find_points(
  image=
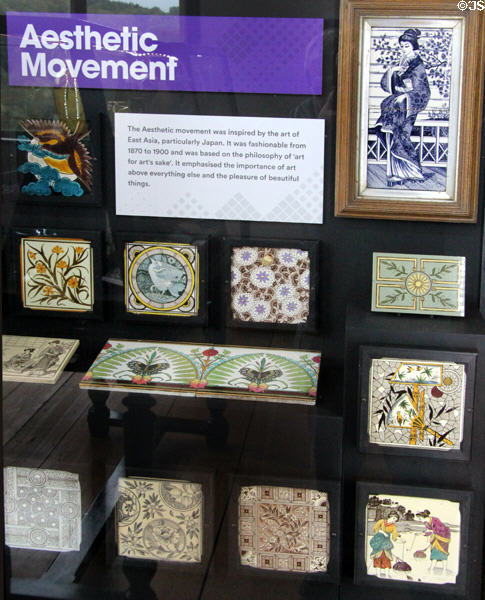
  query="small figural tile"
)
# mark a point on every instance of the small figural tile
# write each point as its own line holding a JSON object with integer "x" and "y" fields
{"x": 284, "y": 529}
{"x": 162, "y": 279}
{"x": 270, "y": 285}
{"x": 42, "y": 509}
{"x": 160, "y": 519}
{"x": 422, "y": 284}
{"x": 416, "y": 404}
{"x": 57, "y": 274}
{"x": 35, "y": 359}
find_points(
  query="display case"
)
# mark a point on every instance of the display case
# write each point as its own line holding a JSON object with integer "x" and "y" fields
{"x": 200, "y": 397}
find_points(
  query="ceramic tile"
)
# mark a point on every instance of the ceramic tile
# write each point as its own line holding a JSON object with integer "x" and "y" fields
{"x": 35, "y": 359}
{"x": 198, "y": 370}
{"x": 412, "y": 539}
{"x": 270, "y": 285}
{"x": 42, "y": 509}
{"x": 160, "y": 519}
{"x": 284, "y": 529}
{"x": 423, "y": 284}
{"x": 57, "y": 274}
{"x": 416, "y": 404}
{"x": 162, "y": 279}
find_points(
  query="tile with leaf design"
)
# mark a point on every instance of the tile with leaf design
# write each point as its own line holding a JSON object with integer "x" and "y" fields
{"x": 160, "y": 519}
{"x": 242, "y": 373}
{"x": 416, "y": 404}
{"x": 420, "y": 284}
{"x": 284, "y": 529}
{"x": 57, "y": 274}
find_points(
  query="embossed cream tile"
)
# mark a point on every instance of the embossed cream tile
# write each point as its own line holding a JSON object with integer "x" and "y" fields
{"x": 42, "y": 509}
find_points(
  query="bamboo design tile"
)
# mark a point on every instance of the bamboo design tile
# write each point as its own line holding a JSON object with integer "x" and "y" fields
{"x": 160, "y": 519}
{"x": 284, "y": 529}
{"x": 42, "y": 509}
{"x": 412, "y": 539}
{"x": 35, "y": 359}
{"x": 57, "y": 274}
{"x": 416, "y": 404}
{"x": 265, "y": 374}
{"x": 162, "y": 279}
{"x": 419, "y": 284}
{"x": 270, "y": 285}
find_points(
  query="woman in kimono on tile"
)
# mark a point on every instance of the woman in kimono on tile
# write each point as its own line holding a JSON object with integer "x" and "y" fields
{"x": 385, "y": 533}
{"x": 439, "y": 538}
{"x": 409, "y": 91}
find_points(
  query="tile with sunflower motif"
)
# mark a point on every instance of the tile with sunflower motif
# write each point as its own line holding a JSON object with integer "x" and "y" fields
{"x": 240, "y": 373}
{"x": 42, "y": 509}
{"x": 57, "y": 274}
{"x": 420, "y": 284}
{"x": 416, "y": 404}
{"x": 162, "y": 279}
{"x": 284, "y": 529}
{"x": 35, "y": 359}
{"x": 160, "y": 519}
{"x": 270, "y": 285}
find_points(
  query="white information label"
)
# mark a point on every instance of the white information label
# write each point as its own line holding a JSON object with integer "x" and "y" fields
{"x": 213, "y": 167}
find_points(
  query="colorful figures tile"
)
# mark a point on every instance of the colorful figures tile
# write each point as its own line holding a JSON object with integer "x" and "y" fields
{"x": 416, "y": 404}
{"x": 162, "y": 279}
{"x": 421, "y": 284}
{"x": 270, "y": 285}
{"x": 57, "y": 274}
{"x": 284, "y": 529}
{"x": 160, "y": 519}
{"x": 412, "y": 539}
{"x": 264, "y": 374}
{"x": 42, "y": 509}
{"x": 35, "y": 359}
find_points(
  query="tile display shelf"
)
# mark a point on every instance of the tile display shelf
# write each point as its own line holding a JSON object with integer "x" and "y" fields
{"x": 364, "y": 328}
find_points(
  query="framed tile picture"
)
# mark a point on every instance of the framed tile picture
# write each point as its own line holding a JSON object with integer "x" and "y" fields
{"x": 413, "y": 538}
{"x": 416, "y": 402}
{"x": 418, "y": 283}
{"x": 271, "y": 284}
{"x": 163, "y": 277}
{"x": 409, "y": 96}
{"x": 286, "y": 528}
{"x": 56, "y": 272}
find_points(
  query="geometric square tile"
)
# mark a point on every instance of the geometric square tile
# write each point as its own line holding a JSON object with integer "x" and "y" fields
{"x": 161, "y": 279}
{"x": 421, "y": 284}
{"x": 270, "y": 285}
{"x": 284, "y": 529}
{"x": 416, "y": 404}
{"x": 57, "y": 274}
{"x": 159, "y": 519}
{"x": 35, "y": 359}
{"x": 42, "y": 509}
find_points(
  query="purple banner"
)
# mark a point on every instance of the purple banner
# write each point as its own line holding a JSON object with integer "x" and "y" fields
{"x": 203, "y": 54}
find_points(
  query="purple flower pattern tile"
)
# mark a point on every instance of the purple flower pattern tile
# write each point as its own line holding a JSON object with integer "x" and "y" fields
{"x": 270, "y": 285}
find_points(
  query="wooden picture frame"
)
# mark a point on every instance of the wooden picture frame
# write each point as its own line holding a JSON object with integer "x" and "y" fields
{"x": 441, "y": 404}
{"x": 409, "y": 104}
{"x": 404, "y": 579}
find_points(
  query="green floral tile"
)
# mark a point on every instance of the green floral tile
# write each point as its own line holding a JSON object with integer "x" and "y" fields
{"x": 420, "y": 284}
